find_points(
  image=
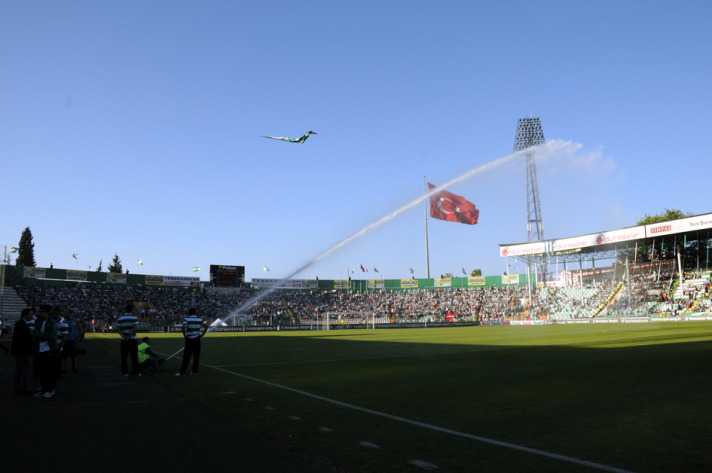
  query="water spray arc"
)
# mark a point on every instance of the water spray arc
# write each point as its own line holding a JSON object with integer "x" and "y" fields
{"x": 544, "y": 148}
{"x": 174, "y": 354}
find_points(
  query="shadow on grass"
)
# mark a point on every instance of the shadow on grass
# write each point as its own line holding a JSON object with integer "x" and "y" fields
{"x": 573, "y": 392}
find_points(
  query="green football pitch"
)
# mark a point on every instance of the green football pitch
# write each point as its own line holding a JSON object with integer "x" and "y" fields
{"x": 604, "y": 397}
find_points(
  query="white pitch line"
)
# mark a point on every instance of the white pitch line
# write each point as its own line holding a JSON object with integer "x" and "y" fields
{"x": 423, "y": 464}
{"x": 368, "y": 444}
{"x": 499, "y": 443}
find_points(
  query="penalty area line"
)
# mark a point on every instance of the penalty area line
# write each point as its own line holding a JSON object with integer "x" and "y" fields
{"x": 499, "y": 443}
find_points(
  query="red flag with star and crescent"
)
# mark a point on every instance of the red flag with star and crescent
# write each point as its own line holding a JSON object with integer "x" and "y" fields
{"x": 445, "y": 205}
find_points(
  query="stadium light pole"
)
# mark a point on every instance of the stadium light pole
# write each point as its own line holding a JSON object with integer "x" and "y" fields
{"x": 627, "y": 274}
{"x": 529, "y": 134}
{"x": 427, "y": 249}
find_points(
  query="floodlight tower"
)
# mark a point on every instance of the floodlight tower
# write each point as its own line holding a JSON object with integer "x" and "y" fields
{"x": 529, "y": 133}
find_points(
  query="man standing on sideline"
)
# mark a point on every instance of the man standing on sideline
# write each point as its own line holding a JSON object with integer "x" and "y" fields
{"x": 62, "y": 331}
{"x": 46, "y": 337}
{"x": 194, "y": 328}
{"x": 22, "y": 349}
{"x": 127, "y": 325}
{"x": 70, "y": 344}
{"x": 2, "y": 346}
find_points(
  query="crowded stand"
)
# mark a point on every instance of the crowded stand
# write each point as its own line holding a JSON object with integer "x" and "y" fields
{"x": 425, "y": 305}
{"x": 642, "y": 293}
{"x": 101, "y": 305}
{"x": 166, "y": 306}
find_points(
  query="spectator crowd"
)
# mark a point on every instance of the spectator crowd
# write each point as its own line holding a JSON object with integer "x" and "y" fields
{"x": 100, "y": 305}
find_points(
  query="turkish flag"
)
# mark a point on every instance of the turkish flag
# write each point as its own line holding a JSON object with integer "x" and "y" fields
{"x": 445, "y": 205}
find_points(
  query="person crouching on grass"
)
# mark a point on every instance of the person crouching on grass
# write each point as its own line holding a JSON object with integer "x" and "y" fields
{"x": 147, "y": 358}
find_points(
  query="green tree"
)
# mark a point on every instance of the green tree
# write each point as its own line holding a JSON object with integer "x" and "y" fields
{"x": 663, "y": 244}
{"x": 26, "y": 250}
{"x": 98, "y": 268}
{"x": 115, "y": 266}
{"x": 446, "y": 275}
{"x": 476, "y": 272}
{"x": 692, "y": 250}
{"x": 668, "y": 214}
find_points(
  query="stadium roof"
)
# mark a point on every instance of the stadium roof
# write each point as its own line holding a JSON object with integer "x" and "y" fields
{"x": 611, "y": 240}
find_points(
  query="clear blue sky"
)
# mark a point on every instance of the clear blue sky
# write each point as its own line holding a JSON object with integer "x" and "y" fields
{"x": 134, "y": 127}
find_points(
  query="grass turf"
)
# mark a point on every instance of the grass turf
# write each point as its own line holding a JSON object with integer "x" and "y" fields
{"x": 626, "y": 396}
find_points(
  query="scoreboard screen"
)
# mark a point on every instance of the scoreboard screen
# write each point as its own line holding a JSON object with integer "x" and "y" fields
{"x": 223, "y": 275}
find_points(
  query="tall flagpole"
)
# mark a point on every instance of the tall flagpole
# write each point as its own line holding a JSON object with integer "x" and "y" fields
{"x": 425, "y": 206}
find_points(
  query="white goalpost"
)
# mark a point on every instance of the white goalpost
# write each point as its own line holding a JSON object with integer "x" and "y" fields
{"x": 326, "y": 319}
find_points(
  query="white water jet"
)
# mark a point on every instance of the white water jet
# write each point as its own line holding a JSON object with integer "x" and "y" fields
{"x": 550, "y": 148}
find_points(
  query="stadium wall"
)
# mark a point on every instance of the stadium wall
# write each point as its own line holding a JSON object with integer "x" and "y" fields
{"x": 365, "y": 285}
{"x": 30, "y": 276}
{"x": 25, "y": 275}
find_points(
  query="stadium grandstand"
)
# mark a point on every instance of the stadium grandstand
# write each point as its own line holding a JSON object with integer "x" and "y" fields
{"x": 638, "y": 273}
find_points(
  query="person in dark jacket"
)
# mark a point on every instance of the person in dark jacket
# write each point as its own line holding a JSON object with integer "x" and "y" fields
{"x": 22, "y": 349}
{"x": 46, "y": 337}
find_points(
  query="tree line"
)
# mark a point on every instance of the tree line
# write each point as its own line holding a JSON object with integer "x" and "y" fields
{"x": 26, "y": 254}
